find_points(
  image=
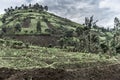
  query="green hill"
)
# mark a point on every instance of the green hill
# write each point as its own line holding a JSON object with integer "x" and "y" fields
{"x": 54, "y": 31}
{"x": 28, "y": 21}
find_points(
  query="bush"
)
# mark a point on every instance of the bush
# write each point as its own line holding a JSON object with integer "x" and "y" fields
{"x": 48, "y": 30}
{"x": 2, "y": 41}
{"x": 26, "y": 45}
{"x": 50, "y": 46}
{"x": 7, "y": 43}
{"x": 26, "y": 31}
{"x": 31, "y": 32}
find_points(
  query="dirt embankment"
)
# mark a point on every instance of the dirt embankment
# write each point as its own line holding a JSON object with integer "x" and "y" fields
{"x": 40, "y": 40}
{"x": 111, "y": 72}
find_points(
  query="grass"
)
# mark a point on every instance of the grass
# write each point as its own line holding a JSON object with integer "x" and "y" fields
{"x": 56, "y": 21}
{"x": 41, "y": 57}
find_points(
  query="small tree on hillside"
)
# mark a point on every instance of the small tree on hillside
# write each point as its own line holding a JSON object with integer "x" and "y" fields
{"x": 18, "y": 27}
{"x": 46, "y": 8}
{"x": 3, "y": 20}
{"x": 69, "y": 33}
{"x": 16, "y": 7}
{"x": 30, "y": 5}
{"x": 79, "y": 31}
{"x": 89, "y": 23}
{"x": 116, "y": 32}
{"x": 38, "y": 27}
{"x": 41, "y": 8}
{"x": 4, "y": 30}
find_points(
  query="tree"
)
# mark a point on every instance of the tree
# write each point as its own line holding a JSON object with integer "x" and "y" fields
{"x": 89, "y": 23}
{"x": 116, "y": 28}
{"x": 25, "y": 7}
{"x": 79, "y": 31}
{"x": 41, "y": 8}
{"x": 69, "y": 33}
{"x": 3, "y": 20}
{"x": 22, "y": 6}
{"x": 11, "y": 8}
{"x": 16, "y": 7}
{"x": 18, "y": 27}
{"x": 36, "y": 6}
{"x": 104, "y": 47}
{"x": 30, "y": 5}
{"x": 5, "y": 10}
{"x": 4, "y": 29}
{"x": 38, "y": 27}
{"x": 61, "y": 42}
{"x": 46, "y": 8}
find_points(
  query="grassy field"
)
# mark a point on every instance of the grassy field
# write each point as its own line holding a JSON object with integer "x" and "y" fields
{"x": 40, "y": 57}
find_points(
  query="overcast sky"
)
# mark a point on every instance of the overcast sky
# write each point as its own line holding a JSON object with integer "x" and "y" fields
{"x": 76, "y": 10}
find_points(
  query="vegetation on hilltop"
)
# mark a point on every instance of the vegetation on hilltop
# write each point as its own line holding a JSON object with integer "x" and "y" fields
{"x": 28, "y": 16}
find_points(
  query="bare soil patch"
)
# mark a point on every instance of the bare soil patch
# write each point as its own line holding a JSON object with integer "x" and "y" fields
{"x": 111, "y": 72}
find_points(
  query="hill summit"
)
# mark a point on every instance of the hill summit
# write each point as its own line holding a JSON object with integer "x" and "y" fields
{"x": 34, "y": 19}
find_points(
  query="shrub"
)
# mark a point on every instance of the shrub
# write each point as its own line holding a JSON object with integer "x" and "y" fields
{"x": 50, "y": 46}
{"x": 27, "y": 45}
{"x": 26, "y": 31}
{"x": 2, "y": 41}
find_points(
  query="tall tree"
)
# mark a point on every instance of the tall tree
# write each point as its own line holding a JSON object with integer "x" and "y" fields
{"x": 89, "y": 23}
{"x": 116, "y": 33}
{"x": 46, "y": 8}
{"x": 38, "y": 27}
{"x": 30, "y": 5}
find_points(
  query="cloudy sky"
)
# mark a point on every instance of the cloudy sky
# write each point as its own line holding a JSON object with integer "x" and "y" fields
{"x": 76, "y": 10}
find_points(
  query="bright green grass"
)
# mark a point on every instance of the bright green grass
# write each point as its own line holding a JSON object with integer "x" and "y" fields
{"x": 50, "y": 57}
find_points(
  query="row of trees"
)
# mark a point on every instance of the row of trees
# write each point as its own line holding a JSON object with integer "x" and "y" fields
{"x": 88, "y": 38}
{"x": 36, "y": 6}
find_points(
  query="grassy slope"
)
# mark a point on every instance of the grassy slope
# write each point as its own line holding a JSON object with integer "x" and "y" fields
{"x": 56, "y": 21}
{"x": 51, "y": 57}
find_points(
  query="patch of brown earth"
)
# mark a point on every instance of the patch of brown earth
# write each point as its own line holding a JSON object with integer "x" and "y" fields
{"x": 111, "y": 72}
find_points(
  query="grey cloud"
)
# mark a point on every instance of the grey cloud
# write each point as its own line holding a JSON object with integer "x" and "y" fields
{"x": 28, "y": 1}
{"x": 76, "y": 10}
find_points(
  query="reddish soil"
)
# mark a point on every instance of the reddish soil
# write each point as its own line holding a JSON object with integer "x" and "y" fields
{"x": 111, "y": 72}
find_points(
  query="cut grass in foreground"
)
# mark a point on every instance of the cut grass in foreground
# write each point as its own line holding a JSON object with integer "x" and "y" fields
{"x": 38, "y": 57}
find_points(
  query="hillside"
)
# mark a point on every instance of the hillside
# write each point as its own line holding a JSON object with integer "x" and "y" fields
{"x": 35, "y": 25}
{"x": 40, "y": 63}
{"x": 38, "y": 45}
{"x": 28, "y": 21}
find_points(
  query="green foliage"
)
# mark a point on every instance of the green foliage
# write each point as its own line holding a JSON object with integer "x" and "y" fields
{"x": 104, "y": 47}
{"x": 79, "y": 31}
{"x": 13, "y": 44}
{"x": 89, "y": 36}
{"x": 69, "y": 33}
{"x": 46, "y": 8}
{"x": 40, "y": 57}
{"x": 18, "y": 27}
{"x": 38, "y": 27}
{"x": 24, "y": 13}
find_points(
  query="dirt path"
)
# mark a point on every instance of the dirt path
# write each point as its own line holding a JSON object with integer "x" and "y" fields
{"x": 111, "y": 72}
